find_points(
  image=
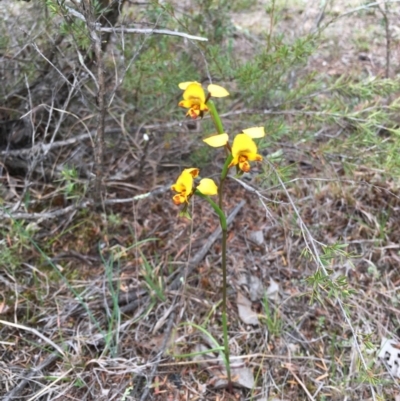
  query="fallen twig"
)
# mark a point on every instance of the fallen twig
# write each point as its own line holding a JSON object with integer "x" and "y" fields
{"x": 156, "y": 31}
{"x": 72, "y": 208}
{"x": 303, "y": 386}
{"x": 36, "y": 333}
{"x": 12, "y": 395}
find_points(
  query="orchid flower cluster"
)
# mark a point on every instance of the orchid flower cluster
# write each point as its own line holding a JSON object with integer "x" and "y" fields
{"x": 242, "y": 151}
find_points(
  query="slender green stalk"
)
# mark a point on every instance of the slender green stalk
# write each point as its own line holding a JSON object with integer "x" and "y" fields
{"x": 220, "y": 129}
{"x": 222, "y": 220}
{"x": 224, "y": 173}
{"x": 215, "y": 117}
{"x": 218, "y": 209}
{"x": 224, "y": 306}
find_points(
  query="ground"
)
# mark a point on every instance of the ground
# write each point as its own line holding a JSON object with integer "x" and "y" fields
{"x": 123, "y": 302}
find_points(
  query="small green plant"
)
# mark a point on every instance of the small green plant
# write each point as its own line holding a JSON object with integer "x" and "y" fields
{"x": 272, "y": 318}
{"x": 238, "y": 155}
{"x": 71, "y": 186}
{"x": 153, "y": 279}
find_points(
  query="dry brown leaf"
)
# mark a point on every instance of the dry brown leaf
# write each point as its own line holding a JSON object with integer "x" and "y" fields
{"x": 242, "y": 376}
{"x": 253, "y": 284}
{"x": 257, "y": 237}
{"x": 273, "y": 289}
{"x": 4, "y": 308}
{"x": 246, "y": 314}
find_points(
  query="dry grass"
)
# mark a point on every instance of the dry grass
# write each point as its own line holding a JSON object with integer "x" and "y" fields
{"x": 100, "y": 305}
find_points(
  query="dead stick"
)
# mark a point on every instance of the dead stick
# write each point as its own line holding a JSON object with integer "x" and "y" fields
{"x": 95, "y": 37}
{"x": 13, "y": 394}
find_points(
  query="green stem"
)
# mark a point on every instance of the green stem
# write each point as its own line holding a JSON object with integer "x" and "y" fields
{"x": 218, "y": 209}
{"x": 220, "y": 129}
{"x": 224, "y": 173}
{"x": 222, "y": 220}
{"x": 224, "y": 306}
{"x": 215, "y": 117}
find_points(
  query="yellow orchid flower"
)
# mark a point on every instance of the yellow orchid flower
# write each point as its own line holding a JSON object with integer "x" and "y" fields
{"x": 207, "y": 187}
{"x": 195, "y": 99}
{"x": 243, "y": 148}
{"x": 184, "y": 185}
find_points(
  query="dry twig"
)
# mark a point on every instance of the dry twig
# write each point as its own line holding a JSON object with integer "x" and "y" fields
{"x": 13, "y": 394}
{"x": 155, "y": 31}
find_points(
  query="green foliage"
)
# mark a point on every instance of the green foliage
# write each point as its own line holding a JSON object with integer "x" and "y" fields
{"x": 77, "y": 30}
{"x": 243, "y": 5}
{"x": 71, "y": 186}
{"x": 272, "y": 318}
{"x": 13, "y": 244}
{"x": 153, "y": 280}
{"x": 324, "y": 283}
{"x": 263, "y": 80}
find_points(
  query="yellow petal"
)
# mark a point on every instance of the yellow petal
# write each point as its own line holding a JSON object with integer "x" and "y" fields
{"x": 184, "y": 85}
{"x": 255, "y": 132}
{"x": 217, "y": 140}
{"x": 195, "y": 94}
{"x": 243, "y": 144}
{"x": 194, "y": 172}
{"x": 177, "y": 187}
{"x": 184, "y": 183}
{"x": 208, "y": 187}
{"x": 234, "y": 161}
{"x": 254, "y": 157}
{"x": 217, "y": 91}
{"x": 187, "y": 104}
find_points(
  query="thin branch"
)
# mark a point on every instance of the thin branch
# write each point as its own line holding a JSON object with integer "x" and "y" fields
{"x": 12, "y": 395}
{"x": 36, "y": 333}
{"x": 100, "y": 100}
{"x": 303, "y": 386}
{"x": 384, "y": 13}
{"x": 83, "y": 205}
{"x": 156, "y": 31}
{"x": 355, "y": 10}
